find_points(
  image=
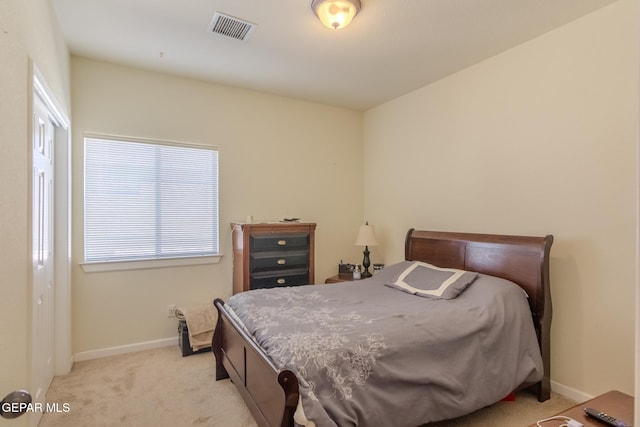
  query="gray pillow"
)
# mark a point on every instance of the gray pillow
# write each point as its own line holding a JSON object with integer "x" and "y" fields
{"x": 427, "y": 280}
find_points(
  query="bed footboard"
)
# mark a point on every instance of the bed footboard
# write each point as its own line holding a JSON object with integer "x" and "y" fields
{"x": 270, "y": 394}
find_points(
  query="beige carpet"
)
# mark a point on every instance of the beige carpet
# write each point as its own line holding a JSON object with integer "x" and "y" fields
{"x": 161, "y": 388}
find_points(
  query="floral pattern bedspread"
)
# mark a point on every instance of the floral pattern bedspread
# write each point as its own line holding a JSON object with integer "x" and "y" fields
{"x": 369, "y": 355}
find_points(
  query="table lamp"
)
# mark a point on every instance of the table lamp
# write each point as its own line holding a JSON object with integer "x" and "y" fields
{"x": 366, "y": 237}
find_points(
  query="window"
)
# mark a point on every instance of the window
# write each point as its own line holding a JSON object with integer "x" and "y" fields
{"x": 149, "y": 200}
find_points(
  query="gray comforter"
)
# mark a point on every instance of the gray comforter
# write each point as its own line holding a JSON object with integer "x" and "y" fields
{"x": 366, "y": 354}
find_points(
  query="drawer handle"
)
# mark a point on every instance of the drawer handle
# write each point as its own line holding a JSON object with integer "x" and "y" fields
{"x": 281, "y": 281}
{"x": 282, "y": 242}
{"x": 282, "y": 261}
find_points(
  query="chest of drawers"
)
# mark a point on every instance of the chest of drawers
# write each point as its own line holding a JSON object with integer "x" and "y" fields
{"x": 268, "y": 255}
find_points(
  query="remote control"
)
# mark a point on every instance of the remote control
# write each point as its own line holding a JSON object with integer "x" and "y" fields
{"x": 606, "y": 419}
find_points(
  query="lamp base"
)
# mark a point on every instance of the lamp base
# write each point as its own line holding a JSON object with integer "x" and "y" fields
{"x": 366, "y": 262}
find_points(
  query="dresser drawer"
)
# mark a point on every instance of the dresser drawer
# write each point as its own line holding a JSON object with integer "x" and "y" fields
{"x": 279, "y": 260}
{"x": 274, "y": 279}
{"x": 270, "y": 242}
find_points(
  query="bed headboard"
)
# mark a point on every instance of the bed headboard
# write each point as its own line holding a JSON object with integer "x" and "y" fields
{"x": 522, "y": 259}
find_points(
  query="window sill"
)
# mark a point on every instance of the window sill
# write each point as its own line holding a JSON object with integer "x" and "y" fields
{"x": 95, "y": 267}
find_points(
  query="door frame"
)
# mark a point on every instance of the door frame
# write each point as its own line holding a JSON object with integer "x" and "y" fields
{"x": 63, "y": 356}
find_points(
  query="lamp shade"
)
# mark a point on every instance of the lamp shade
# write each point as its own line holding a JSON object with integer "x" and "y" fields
{"x": 335, "y": 14}
{"x": 366, "y": 236}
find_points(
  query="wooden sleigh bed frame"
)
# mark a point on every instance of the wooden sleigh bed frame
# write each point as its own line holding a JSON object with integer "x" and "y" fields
{"x": 272, "y": 395}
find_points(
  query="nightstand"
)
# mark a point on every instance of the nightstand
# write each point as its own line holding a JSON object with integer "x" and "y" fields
{"x": 338, "y": 279}
{"x": 615, "y": 403}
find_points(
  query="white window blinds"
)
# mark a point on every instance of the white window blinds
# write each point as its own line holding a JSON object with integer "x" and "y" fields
{"x": 149, "y": 200}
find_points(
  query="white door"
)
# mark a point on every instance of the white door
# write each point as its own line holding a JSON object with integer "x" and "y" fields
{"x": 42, "y": 320}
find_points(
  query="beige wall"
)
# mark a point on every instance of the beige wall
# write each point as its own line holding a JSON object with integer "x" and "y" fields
{"x": 540, "y": 139}
{"x": 27, "y": 30}
{"x": 277, "y": 160}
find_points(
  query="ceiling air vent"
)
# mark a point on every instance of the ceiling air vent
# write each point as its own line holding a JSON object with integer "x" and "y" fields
{"x": 231, "y": 27}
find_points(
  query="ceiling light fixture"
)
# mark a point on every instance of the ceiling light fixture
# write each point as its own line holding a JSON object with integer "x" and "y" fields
{"x": 335, "y": 14}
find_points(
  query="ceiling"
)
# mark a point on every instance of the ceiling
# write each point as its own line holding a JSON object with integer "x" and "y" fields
{"x": 392, "y": 47}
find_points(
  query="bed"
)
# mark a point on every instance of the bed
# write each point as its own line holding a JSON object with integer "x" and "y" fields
{"x": 290, "y": 378}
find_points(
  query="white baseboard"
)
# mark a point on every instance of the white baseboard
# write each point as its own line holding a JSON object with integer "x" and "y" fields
{"x": 570, "y": 393}
{"x": 123, "y": 349}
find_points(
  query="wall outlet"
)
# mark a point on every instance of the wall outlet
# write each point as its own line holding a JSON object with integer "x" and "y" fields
{"x": 171, "y": 310}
